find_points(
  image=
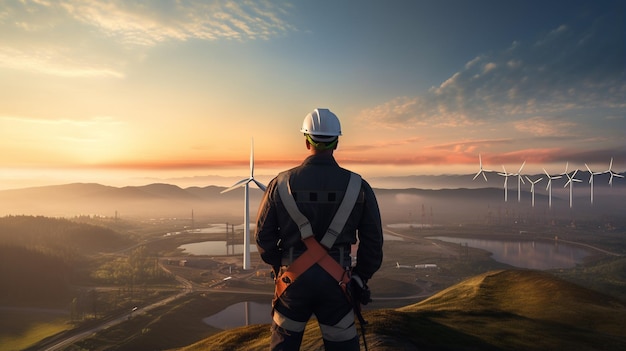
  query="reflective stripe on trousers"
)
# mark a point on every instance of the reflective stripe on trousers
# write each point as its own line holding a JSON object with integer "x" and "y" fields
{"x": 344, "y": 330}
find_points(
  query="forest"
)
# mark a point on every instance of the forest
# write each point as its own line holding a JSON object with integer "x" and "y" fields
{"x": 48, "y": 262}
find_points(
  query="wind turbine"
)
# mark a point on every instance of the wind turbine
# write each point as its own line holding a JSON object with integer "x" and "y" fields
{"x": 613, "y": 174}
{"x": 570, "y": 182}
{"x": 549, "y": 187}
{"x": 481, "y": 170}
{"x": 519, "y": 180}
{"x": 532, "y": 188}
{"x": 591, "y": 174}
{"x": 506, "y": 178}
{"x": 246, "y": 211}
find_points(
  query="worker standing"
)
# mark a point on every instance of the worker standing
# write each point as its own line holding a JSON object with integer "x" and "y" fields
{"x": 307, "y": 221}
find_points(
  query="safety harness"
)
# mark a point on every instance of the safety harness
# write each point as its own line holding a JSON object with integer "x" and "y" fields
{"x": 317, "y": 252}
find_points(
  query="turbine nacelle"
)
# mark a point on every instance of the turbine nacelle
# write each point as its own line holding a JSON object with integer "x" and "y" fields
{"x": 480, "y": 169}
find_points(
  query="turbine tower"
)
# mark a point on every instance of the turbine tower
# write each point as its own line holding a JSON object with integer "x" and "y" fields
{"x": 480, "y": 169}
{"x": 613, "y": 174}
{"x": 570, "y": 182}
{"x": 246, "y": 210}
{"x": 532, "y": 188}
{"x": 549, "y": 187}
{"x": 506, "y": 178}
{"x": 591, "y": 174}
{"x": 519, "y": 180}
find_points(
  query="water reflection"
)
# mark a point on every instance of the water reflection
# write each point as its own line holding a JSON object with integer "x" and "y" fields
{"x": 217, "y": 247}
{"x": 527, "y": 254}
{"x": 240, "y": 314}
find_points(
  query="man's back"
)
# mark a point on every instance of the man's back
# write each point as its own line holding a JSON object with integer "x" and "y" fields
{"x": 312, "y": 279}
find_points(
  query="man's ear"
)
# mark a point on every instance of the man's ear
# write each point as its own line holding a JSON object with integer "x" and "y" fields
{"x": 308, "y": 145}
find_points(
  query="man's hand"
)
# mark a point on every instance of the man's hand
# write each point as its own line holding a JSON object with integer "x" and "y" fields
{"x": 360, "y": 292}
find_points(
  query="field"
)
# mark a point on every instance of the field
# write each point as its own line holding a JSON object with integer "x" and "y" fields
{"x": 179, "y": 324}
{"x": 20, "y": 328}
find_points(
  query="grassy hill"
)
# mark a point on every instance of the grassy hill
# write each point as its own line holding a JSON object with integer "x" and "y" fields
{"x": 498, "y": 310}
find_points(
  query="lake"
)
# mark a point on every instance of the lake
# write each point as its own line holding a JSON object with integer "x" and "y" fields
{"x": 530, "y": 254}
{"x": 240, "y": 314}
{"x": 214, "y": 248}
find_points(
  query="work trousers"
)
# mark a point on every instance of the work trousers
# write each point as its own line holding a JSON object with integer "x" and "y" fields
{"x": 315, "y": 292}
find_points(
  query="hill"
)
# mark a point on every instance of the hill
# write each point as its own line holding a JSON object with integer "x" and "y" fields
{"x": 414, "y": 205}
{"x": 498, "y": 310}
{"x": 41, "y": 257}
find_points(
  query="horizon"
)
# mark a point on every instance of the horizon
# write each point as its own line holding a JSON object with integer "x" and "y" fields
{"x": 398, "y": 181}
{"x": 119, "y": 92}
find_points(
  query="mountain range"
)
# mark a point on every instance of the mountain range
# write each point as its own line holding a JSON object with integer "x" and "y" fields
{"x": 414, "y": 199}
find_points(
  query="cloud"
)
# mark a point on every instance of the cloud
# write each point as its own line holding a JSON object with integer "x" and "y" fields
{"x": 412, "y": 112}
{"x": 89, "y": 122}
{"x": 54, "y": 62}
{"x": 92, "y": 38}
{"x": 149, "y": 23}
{"x": 469, "y": 146}
{"x": 565, "y": 72}
{"x": 381, "y": 144}
{"x": 544, "y": 127}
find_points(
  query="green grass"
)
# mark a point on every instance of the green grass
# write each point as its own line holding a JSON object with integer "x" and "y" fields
{"x": 499, "y": 310}
{"x": 19, "y": 330}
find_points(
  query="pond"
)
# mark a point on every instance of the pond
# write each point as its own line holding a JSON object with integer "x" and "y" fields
{"x": 530, "y": 254}
{"x": 241, "y": 314}
{"x": 214, "y": 248}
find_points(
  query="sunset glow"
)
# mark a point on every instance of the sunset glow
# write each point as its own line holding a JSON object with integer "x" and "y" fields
{"x": 125, "y": 92}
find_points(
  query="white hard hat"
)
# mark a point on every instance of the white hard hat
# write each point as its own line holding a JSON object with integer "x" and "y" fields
{"x": 322, "y": 125}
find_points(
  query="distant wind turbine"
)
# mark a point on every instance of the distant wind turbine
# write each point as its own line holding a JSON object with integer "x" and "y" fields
{"x": 591, "y": 174}
{"x": 519, "y": 180}
{"x": 506, "y": 178}
{"x": 613, "y": 174}
{"x": 570, "y": 182}
{"x": 246, "y": 212}
{"x": 480, "y": 169}
{"x": 532, "y": 188}
{"x": 549, "y": 187}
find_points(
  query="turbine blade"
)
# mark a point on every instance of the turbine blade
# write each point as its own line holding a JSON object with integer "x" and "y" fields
{"x": 259, "y": 184}
{"x": 520, "y": 169}
{"x": 252, "y": 158}
{"x": 484, "y": 176}
{"x": 237, "y": 185}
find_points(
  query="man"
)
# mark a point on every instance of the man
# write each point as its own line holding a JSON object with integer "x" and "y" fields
{"x": 308, "y": 220}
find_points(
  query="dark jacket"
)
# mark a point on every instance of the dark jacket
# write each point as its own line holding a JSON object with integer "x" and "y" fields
{"x": 318, "y": 186}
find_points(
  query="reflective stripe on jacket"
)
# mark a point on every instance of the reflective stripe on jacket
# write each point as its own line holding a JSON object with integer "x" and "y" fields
{"x": 318, "y": 186}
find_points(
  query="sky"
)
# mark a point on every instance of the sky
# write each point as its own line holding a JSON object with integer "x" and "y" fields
{"x": 130, "y": 92}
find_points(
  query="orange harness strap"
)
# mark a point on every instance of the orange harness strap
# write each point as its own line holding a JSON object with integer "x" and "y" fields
{"x": 315, "y": 253}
